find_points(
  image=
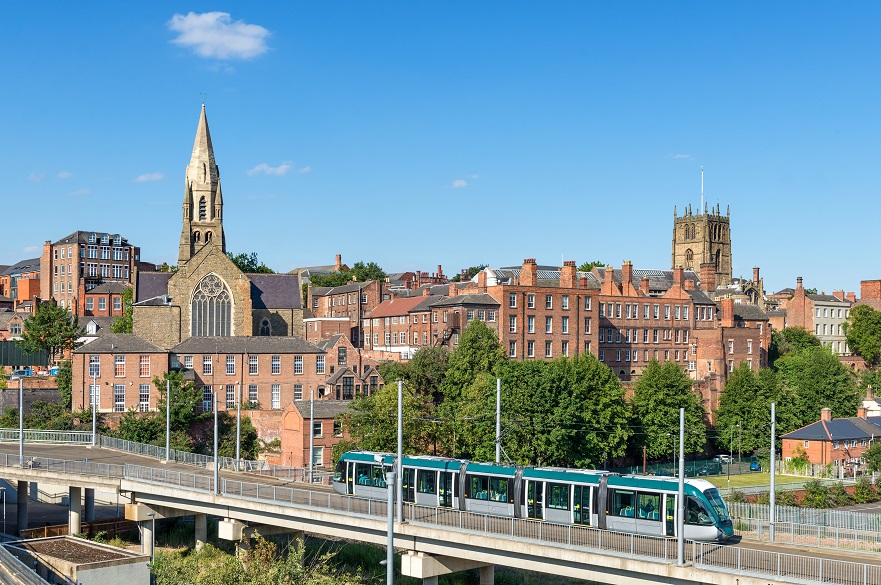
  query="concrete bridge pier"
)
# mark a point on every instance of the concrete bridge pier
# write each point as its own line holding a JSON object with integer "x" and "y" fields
{"x": 89, "y": 510}
{"x": 201, "y": 521}
{"x": 147, "y": 536}
{"x": 430, "y": 567}
{"x": 22, "y": 506}
{"x": 74, "y": 526}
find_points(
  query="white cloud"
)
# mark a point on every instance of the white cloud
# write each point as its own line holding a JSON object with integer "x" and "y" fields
{"x": 146, "y": 177}
{"x": 65, "y": 175}
{"x": 305, "y": 170}
{"x": 460, "y": 183}
{"x": 680, "y": 156}
{"x": 35, "y": 177}
{"x": 79, "y": 192}
{"x": 474, "y": 176}
{"x": 214, "y": 35}
{"x": 31, "y": 249}
{"x": 264, "y": 168}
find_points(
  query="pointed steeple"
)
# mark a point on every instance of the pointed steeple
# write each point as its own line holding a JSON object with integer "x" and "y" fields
{"x": 203, "y": 204}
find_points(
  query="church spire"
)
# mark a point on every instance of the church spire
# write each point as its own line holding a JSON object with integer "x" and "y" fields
{"x": 203, "y": 204}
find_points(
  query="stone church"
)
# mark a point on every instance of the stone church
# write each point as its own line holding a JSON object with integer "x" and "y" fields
{"x": 208, "y": 295}
{"x": 702, "y": 243}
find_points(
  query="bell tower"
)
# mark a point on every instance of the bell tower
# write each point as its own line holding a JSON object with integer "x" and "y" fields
{"x": 703, "y": 239}
{"x": 203, "y": 202}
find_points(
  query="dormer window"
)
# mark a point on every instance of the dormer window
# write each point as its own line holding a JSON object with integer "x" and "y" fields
{"x": 117, "y": 240}
{"x": 92, "y": 238}
{"x": 105, "y": 239}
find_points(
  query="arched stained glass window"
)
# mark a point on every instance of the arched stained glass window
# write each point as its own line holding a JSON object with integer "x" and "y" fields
{"x": 265, "y": 327}
{"x": 211, "y": 308}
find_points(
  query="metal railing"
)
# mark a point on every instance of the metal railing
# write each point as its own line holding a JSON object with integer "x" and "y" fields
{"x": 810, "y": 535}
{"x": 708, "y": 556}
{"x": 807, "y": 516}
{"x": 40, "y": 436}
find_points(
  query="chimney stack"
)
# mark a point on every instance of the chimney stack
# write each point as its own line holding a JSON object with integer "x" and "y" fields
{"x": 440, "y": 271}
{"x": 869, "y": 289}
{"x": 688, "y": 284}
{"x": 426, "y": 291}
{"x": 529, "y": 273}
{"x": 678, "y": 274}
{"x": 481, "y": 280}
{"x": 826, "y": 414}
{"x": 626, "y": 273}
{"x": 838, "y": 294}
{"x": 644, "y": 283}
{"x": 755, "y": 274}
{"x": 861, "y": 412}
{"x": 582, "y": 282}
{"x": 454, "y": 290}
{"x": 798, "y": 283}
{"x": 727, "y": 313}
{"x": 338, "y": 263}
{"x": 851, "y": 296}
{"x": 568, "y": 275}
{"x": 708, "y": 276}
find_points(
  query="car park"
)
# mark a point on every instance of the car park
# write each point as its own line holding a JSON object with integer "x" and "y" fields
{"x": 722, "y": 459}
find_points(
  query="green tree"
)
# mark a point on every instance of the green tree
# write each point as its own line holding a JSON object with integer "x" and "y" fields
{"x": 863, "y": 331}
{"x": 51, "y": 329}
{"x": 249, "y": 264}
{"x": 185, "y": 400}
{"x": 64, "y": 380}
{"x": 469, "y": 273}
{"x": 790, "y": 340}
{"x": 658, "y": 395}
{"x": 363, "y": 272}
{"x": 588, "y": 266}
{"x": 743, "y": 419}
{"x": 226, "y": 447}
{"x": 141, "y": 427}
{"x": 872, "y": 457}
{"x": 123, "y": 323}
{"x": 818, "y": 380}
{"x": 427, "y": 370}
{"x": 332, "y": 279}
{"x": 479, "y": 352}
{"x": 811, "y": 291}
{"x": 372, "y": 421}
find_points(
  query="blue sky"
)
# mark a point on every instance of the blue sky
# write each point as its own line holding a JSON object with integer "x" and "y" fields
{"x": 422, "y": 133}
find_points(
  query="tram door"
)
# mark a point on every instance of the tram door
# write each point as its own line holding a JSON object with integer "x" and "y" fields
{"x": 670, "y": 515}
{"x": 446, "y": 489}
{"x": 581, "y": 505}
{"x": 535, "y": 499}
{"x": 409, "y": 487}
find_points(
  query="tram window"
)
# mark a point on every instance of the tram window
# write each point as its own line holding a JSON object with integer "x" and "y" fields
{"x": 479, "y": 487}
{"x": 426, "y": 482}
{"x": 558, "y": 496}
{"x": 695, "y": 513}
{"x": 498, "y": 489}
{"x": 364, "y": 473}
{"x": 649, "y": 506}
{"x": 378, "y": 479}
{"x": 623, "y": 503}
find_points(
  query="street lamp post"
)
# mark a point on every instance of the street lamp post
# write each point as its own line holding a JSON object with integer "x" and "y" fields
{"x": 680, "y": 520}
{"x": 498, "y": 419}
{"x": 772, "y": 496}
{"x": 20, "y": 422}
{"x": 238, "y": 424}
{"x": 3, "y": 494}
{"x": 152, "y": 516}
{"x": 167, "y": 421}
{"x": 311, "y": 431}
{"x": 94, "y": 397}
{"x": 400, "y": 460}
{"x": 216, "y": 461}
{"x": 390, "y": 531}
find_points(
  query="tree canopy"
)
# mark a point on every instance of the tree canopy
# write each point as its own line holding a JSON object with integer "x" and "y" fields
{"x": 51, "y": 329}
{"x": 588, "y": 266}
{"x": 249, "y": 264}
{"x": 657, "y": 397}
{"x": 469, "y": 273}
{"x": 743, "y": 419}
{"x": 818, "y": 380}
{"x": 123, "y": 323}
{"x": 363, "y": 272}
{"x": 863, "y": 331}
{"x": 790, "y": 340}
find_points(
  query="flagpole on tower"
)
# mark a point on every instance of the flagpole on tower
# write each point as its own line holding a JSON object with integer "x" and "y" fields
{"x": 702, "y": 188}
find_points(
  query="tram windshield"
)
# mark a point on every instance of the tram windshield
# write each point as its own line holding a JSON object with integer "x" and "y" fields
{"x": 338, "y": 472}
{"x": 718, "y": 504}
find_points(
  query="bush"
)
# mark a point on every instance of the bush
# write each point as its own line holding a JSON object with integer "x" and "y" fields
{"x": 787, "y": 499}
{"x": 817, "y": 495}
{"x": 865, "y": 492}
{"x": 736, "y": 496}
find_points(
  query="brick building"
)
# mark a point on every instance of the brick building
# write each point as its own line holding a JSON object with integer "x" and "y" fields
{"x": 823, "y": 315}
{"x": 353, "y": 301}
{"x": 83, "y": 260}
{"x": 105, "y": 300}
{"x": 835, "y": 441}
{"x": 326, "y": 432}
{"x": 21, "y": 281}
{"x": 390, "y": 327}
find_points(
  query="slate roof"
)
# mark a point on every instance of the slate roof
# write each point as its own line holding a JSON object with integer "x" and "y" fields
{"x": 700, "y": 298}
{"x": 340, "y": 373}
{"x": 659, "y": 280}
{"x": 328, "y": 342}
{"x": 242, "y": 344}
{"x": 323, "y": 408}
{"x": 108, "y": 288}
{"x": 427, "y": 303}
{"x": 119, "y": 343}
{"x": 275, "y": 291}
{"x": 4, "y": 268}
{"x": 395, "y": 307}
{"x": 151, "y": 285}
{"x": 323, "y": 291}
{"x": 749, "y": 313}
{"x": 838, "y": 429}
{"x": 827, "y": 299}
{"x": 29, "y": 265}
{"x": 82, "y": 237}
{"x": 6, "y": 317}
{"x": 473, "y": 299}
{"x": 546, "y": 276}
{"x": 102, "y": 323}
{"x": 785, "y": 291}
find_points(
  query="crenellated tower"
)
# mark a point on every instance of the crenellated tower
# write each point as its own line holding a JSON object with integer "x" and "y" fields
{"x": 203, "y": 201}
{"x": 702, "y": 242}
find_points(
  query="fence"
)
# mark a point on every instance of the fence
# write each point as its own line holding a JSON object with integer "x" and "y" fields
{"x": 807, "y": 516}
{"x": 810, "y": 535}
{"x": 112, "y": 527}
{"x": 40, "y": 436}
{"x": 708, "y": 556}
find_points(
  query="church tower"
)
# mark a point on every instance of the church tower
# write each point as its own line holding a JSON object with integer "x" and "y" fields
{"x": 702, "y": 243}
{"x": 203, "y": 202}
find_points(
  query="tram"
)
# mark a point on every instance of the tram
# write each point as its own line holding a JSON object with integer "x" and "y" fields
{"x": 638, "y": 504}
